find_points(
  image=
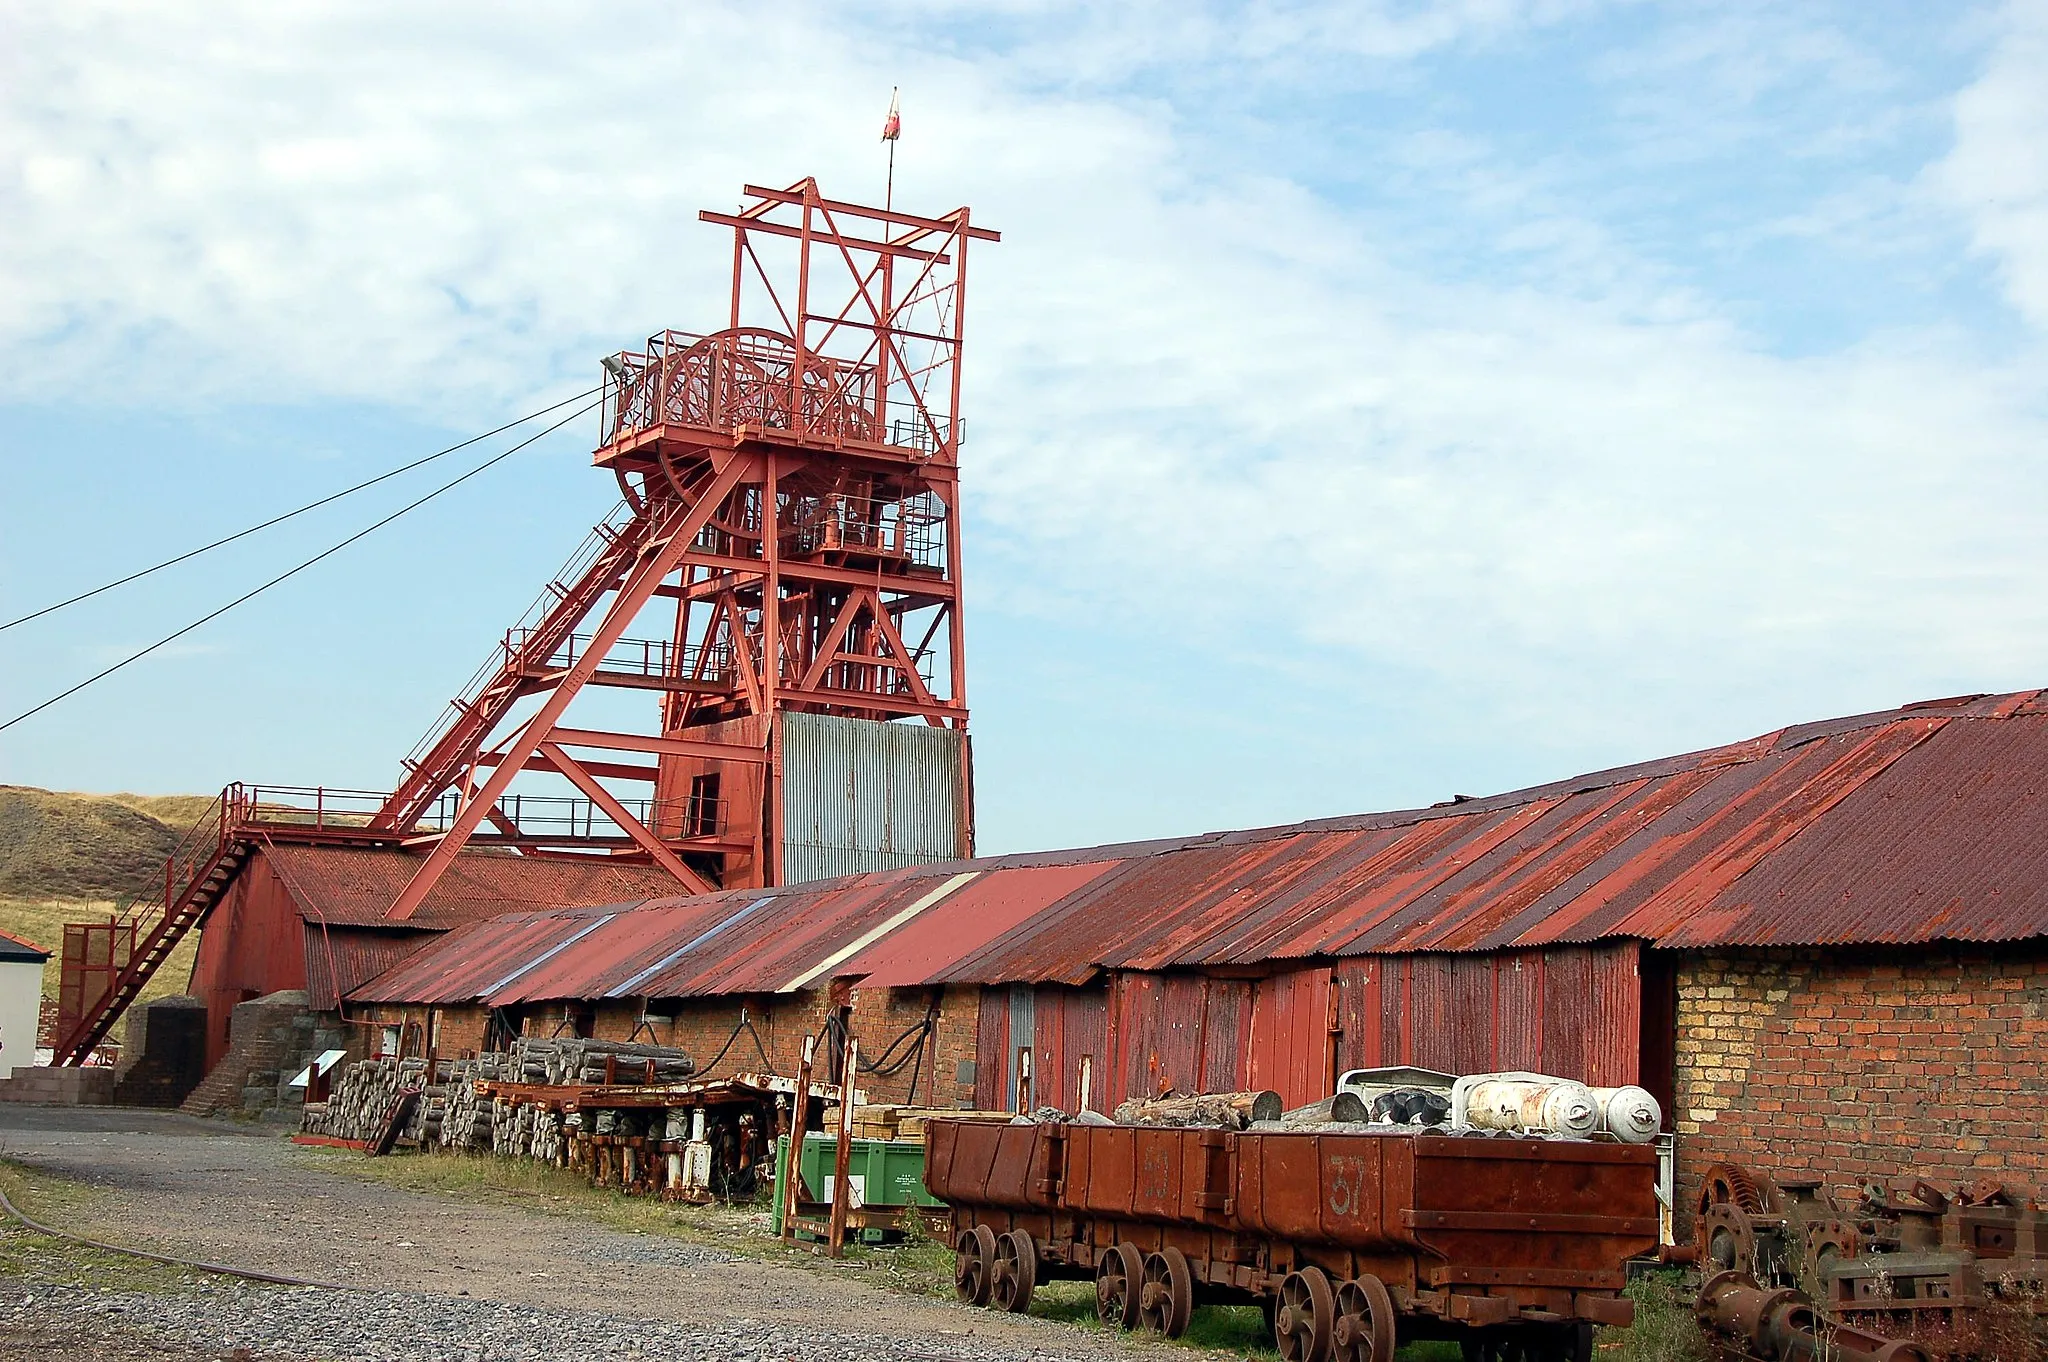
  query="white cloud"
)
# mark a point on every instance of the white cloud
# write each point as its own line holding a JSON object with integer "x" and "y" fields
{"x": 1997, "y": 174}
{"x": 1207, "y": 399}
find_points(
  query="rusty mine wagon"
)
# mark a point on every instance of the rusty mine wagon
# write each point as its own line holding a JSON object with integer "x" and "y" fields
{"x": 1351, "y": 1242}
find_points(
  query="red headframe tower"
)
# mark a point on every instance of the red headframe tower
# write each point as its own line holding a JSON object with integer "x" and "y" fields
{"x": 777, "y": 597}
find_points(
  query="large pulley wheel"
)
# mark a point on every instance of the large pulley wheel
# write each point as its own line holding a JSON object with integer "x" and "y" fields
{"x": 1119, "y": 1279}
{"x": 974, "y": 1256}
{"x": 1166, "y": 1297}
{"x": 1304, "y": 1323}
{"x": 1364, "y": 1331}
{"x": 1016, "y": 1272}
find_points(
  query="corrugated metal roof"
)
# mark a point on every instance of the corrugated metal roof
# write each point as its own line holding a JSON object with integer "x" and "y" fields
{"x": 1927, "y": 823}
{"x": 339, "y": 959}
{"x": 355, "y": 886}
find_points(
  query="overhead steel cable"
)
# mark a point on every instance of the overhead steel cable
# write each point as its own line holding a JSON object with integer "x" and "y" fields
{"x": 295, "y": 571}
{"x": 309, "y": 506}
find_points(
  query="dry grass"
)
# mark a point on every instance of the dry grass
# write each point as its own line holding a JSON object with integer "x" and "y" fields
{"x": 78, "y": 846}
{"x": 920, "y": 1266}
{"x": 32, "y": 1260}
{"x": 42, "y": 921}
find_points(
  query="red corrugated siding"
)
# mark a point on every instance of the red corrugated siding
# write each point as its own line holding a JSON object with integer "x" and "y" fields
{"x": 339, "y": 959}
{"x": 1574, "y": 1011}
{"x": 1290, "y": 1049}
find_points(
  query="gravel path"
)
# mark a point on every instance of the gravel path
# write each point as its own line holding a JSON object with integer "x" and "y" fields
{"x": 447, "y": 1279}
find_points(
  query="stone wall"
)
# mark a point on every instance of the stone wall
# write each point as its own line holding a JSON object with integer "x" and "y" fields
{"x": 270, "y": 1039}
{"x": 1844, "y": 1064}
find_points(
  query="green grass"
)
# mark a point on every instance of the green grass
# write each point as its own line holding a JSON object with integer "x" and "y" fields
{"x": 1665, "y": 1329}
{"x": 31, "y": 1259}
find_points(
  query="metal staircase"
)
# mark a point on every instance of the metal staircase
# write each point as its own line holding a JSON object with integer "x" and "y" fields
{"x": 96, "y": 983}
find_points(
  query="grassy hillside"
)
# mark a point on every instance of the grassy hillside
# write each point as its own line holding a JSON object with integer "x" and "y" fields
{"x": 42, "y": 921}
{"x": 72, "y": 857}
{"x": 80, "y": 846}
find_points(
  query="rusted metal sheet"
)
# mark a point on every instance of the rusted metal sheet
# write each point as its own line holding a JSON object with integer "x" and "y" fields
{"x": 339, "y": 959}
{"x": 992, "y": 1078}
{"x": 354, "y": 886}
{"x": 1072, "y": 1041}
{"x": 929, "y": 948}
{"x": 861, "y": 796}
{"x": 1290, "y": 1050}
{"x": 1920, "y": 824}
{"x": 1573, "y": 1011}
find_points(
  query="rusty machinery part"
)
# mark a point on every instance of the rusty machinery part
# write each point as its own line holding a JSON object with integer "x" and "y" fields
{"x": 974, "y": 1254}
{"x": 1732, "y": 1184}
{"x": 1829, "y": 1240}
{"x": 247, "y": 1274}
{"x": 1364, "y": 1331}
{"x": 1779, "y": 1324}
{"x": 1166, "y": 1295}
{"x": 1304, "y": 1322}
{"x": 1728, "y": 1239}
{"x": 1015, "y": 1274}
{"x": 1119, "y": 1277}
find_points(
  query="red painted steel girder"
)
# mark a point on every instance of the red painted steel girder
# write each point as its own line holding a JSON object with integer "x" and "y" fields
{"x": 789, "y": 542}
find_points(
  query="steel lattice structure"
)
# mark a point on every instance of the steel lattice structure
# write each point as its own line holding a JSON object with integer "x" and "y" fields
{"x": 789, "y": 541}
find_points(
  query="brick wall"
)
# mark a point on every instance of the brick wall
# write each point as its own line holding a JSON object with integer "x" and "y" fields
{"x": 1846, "y": 1064}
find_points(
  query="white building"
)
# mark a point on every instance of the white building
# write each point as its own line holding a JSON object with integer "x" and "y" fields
{"x": 21, "y": 1000}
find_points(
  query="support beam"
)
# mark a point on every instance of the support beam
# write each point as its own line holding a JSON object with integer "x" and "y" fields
{"x": 642, "y": 836}
{"x": 662, "y": 556}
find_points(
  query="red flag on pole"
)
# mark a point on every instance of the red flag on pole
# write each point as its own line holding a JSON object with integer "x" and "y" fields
{"x": 892, "y": 126}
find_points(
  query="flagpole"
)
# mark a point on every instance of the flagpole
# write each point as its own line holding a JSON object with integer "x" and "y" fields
{"x": 892, "y": 127}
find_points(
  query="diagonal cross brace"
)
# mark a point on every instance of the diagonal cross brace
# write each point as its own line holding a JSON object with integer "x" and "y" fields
{"x": 667, "y": 553}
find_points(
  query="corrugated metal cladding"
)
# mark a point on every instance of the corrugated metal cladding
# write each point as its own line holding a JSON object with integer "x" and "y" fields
{"x": 1929, "y": 823}
{"x": 356, "y": 886}
{"x": 1575, "y": 1011}
{"x": 860, "y": 796}
{"x": 339, "y": 959}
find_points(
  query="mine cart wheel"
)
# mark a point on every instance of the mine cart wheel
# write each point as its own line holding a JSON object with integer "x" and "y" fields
{"x": 1305, "y": 1323}
{"x": 1166, "y": 1300}
{"x": 974, "y": 1256}
{"x": 1119, "y": 1279}
{"x": 1016, "y": 1272}
{"x": 1364, "y": 1331}
{"x": 1495, "y": 1345}
{"x": 1578, "y": 1341}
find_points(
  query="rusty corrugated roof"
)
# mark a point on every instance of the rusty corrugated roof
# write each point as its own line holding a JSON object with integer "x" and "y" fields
{"x": 1921, "y": 824}
{"x": 355, "y": 886}
{"x": 339, "y": 959}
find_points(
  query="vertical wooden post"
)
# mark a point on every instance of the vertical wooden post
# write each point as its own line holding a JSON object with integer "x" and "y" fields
{"x": 792, "y": 1174}
{"x": 842, "y": 1159}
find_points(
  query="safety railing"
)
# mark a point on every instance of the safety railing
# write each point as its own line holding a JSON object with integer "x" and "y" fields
{"x": 553, "y": 818}
{"x": 749, "y": 377}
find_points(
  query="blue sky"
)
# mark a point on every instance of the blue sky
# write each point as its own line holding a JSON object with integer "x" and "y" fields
{"x": 1367, "y": 402}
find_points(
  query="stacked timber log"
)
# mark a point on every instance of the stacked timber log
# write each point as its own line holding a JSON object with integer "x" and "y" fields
{"x": 1222, "y": 1110}
{"x": 466, "y": 1124}
{"x": 363, "y": 1098}
{"x": 568, "y": 1061}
